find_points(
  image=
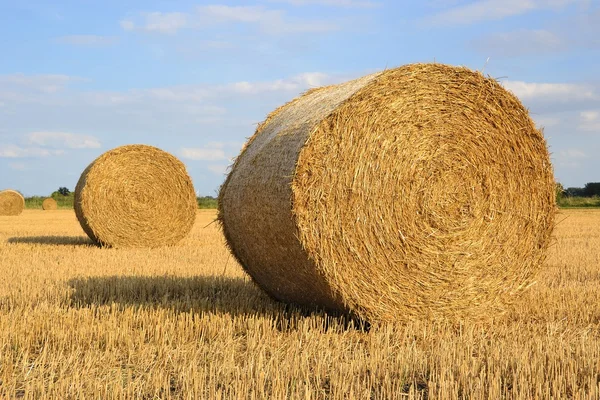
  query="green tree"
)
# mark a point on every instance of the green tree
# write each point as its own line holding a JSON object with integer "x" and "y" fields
{"x": 592, "y": 189}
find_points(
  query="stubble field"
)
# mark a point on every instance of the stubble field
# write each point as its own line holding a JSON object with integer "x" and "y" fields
{"x": 78, "y": 321}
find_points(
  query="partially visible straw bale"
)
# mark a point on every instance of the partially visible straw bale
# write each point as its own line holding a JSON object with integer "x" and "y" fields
{"x": 11, "y": 202}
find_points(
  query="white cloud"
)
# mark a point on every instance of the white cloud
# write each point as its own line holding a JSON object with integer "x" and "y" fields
{"x": 570, "y": 158}
{"x": 221, "y": 145}
{"x": 573, "y": 153}
{"x": 45, "y": 83}
{"x": 590, "y": 121}
{"x": 546, "y": 122}
{"x": 195, "y": 96}
{"x": 127, "y": 24}
{"x": 223, "y": 13}
{"x": 267, "y": 20}
{"x": 590, "y": 116}
{"x": 559, "y": 92}
{"x": 203, "y": 154}
{"x": 313, "y": 79}
{"x": 87, "y": 40}
{"x": 168, "y": 23}
{"x": 165, "y": 22}
{"x": 519, "y": 43}
{"x": 488, "y": 10}
{"x": 333, "y": 3}
{"x": 566, "y": 34}
{"x": 295, "y": 83}
{"x": 63, "y": 139}
{"x": 13, "y": 151}
{"x": 218, "y": 169}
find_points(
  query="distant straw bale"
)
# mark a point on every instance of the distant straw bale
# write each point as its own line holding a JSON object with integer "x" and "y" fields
{"x": 135, "y": 196}
{"x": 49, "y": 204}
{"x": 424, "y": 191}
{"x": 11, "y": 203}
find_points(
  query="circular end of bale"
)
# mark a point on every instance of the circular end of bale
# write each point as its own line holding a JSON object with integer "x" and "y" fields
{"x": 49, "y": 204}
{"x": 422, "y": 192}
{"x": 12, "y": 203}
{"x": 136, "y": 196}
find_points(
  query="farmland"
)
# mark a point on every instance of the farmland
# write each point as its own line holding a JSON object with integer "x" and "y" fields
{"x": 186, "y": 322}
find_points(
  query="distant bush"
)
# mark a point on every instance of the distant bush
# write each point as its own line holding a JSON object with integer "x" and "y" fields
{"x": 579, "y": 202}
{"x": 63, "y": 202}
{"x": 575, "y": 197}
{"x": 207, "y": 202}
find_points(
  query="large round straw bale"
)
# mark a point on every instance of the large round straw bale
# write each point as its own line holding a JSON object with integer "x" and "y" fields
{"x": 424, "y": 191}
{"x": 49, "y": 204}
{"x": 135, "y": 196}
{"x": 11, "y": 202}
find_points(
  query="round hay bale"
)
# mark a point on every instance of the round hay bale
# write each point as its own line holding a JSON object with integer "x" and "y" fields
{"x": 49, "y": 204}
{"x": 135, "y": 196}
{"x": 11, "y": 203}
{"x": 424, "y": 191}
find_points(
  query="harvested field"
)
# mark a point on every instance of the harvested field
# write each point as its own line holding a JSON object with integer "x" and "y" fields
{"x": 80, "y": 321}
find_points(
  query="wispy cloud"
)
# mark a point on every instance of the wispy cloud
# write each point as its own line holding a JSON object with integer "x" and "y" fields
{"x": 570, "y": 158}
{"x": 127, "y": 24}
{"x": 45, "y": 83}
{"x": 218, "y": 169}
{"x": 62, "y": 140}
{"x": 206, "y": 93}
{"x": 221, "y": 145}
{"x": 331, "y": 3}
{"x": 267, "y": 20}
{"x": 298, "y": 82}
{"x": 14, "y": 151}
{"x": 546, "y": 121}
{"x": 168, "y": 23}
{"x": 87, "y": 40}
{"x": 559, "y": 92}
{"x": 488, "y": 10}
{"x": 565, "y": 34}
{"x": 590, "y": 121}
{"x": 203, "y": 154}
{"x": 519, "y": 43}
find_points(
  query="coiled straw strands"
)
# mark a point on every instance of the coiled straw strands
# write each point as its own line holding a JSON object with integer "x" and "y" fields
{"x": 11, "y": 202}
{"x": 49, "y": 204}
{"x": 424, "y": 191}
{"x": 136, "y": 196}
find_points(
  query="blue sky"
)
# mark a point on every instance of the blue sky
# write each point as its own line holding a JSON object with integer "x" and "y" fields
{"x": 78, "y": 78}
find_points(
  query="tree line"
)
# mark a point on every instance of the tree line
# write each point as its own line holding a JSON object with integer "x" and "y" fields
{"x": 65, "y": 197}
{"x": 576, "y": 197}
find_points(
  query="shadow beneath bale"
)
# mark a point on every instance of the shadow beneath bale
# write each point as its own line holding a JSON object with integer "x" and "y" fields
{"x": 201, "y": 294}
{"x": 54, "y": 240}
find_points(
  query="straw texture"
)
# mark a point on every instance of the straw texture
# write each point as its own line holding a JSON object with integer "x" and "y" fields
{"x": 11, "y": 202}
{"x": 49, "y": 204}
{"x": 424, "y": 191}
{"x": 135, "y": 196}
